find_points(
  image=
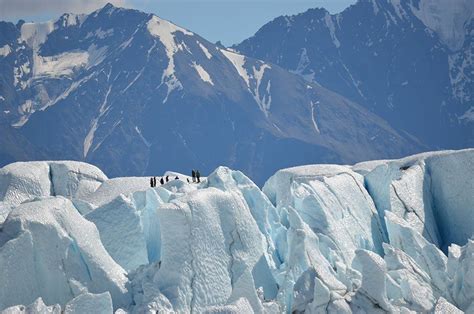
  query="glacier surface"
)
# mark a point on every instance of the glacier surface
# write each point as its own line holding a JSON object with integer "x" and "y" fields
{"x": 376, "y": 237}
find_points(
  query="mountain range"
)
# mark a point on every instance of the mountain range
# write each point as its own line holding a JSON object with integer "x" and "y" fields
{"x": 135, "y": 94}
{"x": 409, "y": 61}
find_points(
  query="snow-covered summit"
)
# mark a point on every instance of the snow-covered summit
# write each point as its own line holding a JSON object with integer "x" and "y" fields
{"x": 380, "y": 236}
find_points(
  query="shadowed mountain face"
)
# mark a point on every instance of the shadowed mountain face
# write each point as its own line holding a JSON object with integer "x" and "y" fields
{"x": 409, "y": 61}
{"x": 135, "y": 94}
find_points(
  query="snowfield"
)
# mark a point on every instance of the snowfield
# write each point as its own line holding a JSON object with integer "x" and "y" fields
{"x": 376, "y": 237}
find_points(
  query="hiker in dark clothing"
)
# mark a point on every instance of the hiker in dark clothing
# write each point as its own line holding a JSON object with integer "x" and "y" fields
{"x": 151, "y": 182}
{"x": 167, "y": 178}
{"x": 193, "y": 174}
{"x": 162, "y": 181}
{"x": 198, "y": 176}
{"x": 154, "y": 182}
{"x": 177, "y": 178}
{"x": 187, "y": 179}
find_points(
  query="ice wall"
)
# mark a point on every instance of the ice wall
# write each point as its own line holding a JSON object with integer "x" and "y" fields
{"x": 333, "y": 202}
{"x": 432, "y": 192}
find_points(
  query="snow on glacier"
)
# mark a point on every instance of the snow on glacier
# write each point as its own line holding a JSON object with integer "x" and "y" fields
{"x": 374, "y": 237}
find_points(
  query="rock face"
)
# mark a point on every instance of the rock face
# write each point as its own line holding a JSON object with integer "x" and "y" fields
{"x": 134, "y": 94}
{"x": 379, "y": 236}
{"x": 409, "y": 61}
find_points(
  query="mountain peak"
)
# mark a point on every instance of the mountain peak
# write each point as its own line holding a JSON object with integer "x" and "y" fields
{"x": 108, "y": 9}
{"x": 109, "y": 6}
{"x": 445, "y": 18}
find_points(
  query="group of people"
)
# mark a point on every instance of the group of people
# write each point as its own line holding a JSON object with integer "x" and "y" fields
{"x": 196, "y": 175}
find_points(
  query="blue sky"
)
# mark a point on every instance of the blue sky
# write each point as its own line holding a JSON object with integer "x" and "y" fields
{"x": 229, "y": 21}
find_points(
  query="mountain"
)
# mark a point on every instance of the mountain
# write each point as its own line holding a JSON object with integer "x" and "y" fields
{"x": 133, "y": 94}
{"x": 408, "y": 61}
{"x": 386, "y": 236}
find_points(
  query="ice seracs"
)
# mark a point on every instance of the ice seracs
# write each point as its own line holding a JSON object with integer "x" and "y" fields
{"x": 22, "y": 181}
{"x": 370, "y": 238}
{"x": 48, "y": 250}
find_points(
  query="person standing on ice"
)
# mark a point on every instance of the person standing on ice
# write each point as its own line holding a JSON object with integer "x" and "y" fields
{"x": 167, "y": 178}
{"x": 162, "y": 181}
{"x": 151, "y": 182}
{"x": 198, "y": 176}
{"x": 154, "y": 182}
{"x": 193, "y": 174}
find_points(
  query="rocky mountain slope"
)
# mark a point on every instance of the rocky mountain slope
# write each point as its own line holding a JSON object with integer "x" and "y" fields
{"x": 136, "y": 94}
{"x": 409, "y": 61}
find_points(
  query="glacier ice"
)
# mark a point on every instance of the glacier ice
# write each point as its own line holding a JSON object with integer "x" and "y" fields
{"x": 22, "y": 180}
{"x": 83, "y": 303}
{"x": 119, "y": 226}
{"x": 37, "y": 307}
{"x": 376, "y": 237}
{"x": 48, "y": 250}
{"x": 90, "y": 303}
{"x": 333, "y": 202}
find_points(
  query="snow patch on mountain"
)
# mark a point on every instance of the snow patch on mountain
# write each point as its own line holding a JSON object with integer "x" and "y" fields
{"x": 252, "y": 78}
{"x": 303, "y": 63}
{"x": 20, "y": 72}
{"x": 205, "y": 50}
{"x": 35, "y": 34}
{"x": 5, "y": 50}
{"x": 205, "y": 77}
{"x": 461, "y": 74}
{"x": 71, "y": 19}
{"x": 446, "y": 18}
{"x": 313, "y": 119}
{"x": 25, "y": 110}
{"x": 89, "y": 139}
{"x": 74, "y": 85}
{"x": 264, "y": 100}
{"x": 165, "y": 30}
{"x": 332, "y": 29}
{"x": 58, "y": 65}
{"x": 238, "y": 61}
{"x": 468, "y": 116}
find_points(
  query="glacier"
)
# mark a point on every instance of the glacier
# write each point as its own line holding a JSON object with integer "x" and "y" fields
{"x": 379, "y": 236}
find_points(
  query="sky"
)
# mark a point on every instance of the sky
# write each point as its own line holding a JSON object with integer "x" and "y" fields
{"x": 228, "y": 21}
